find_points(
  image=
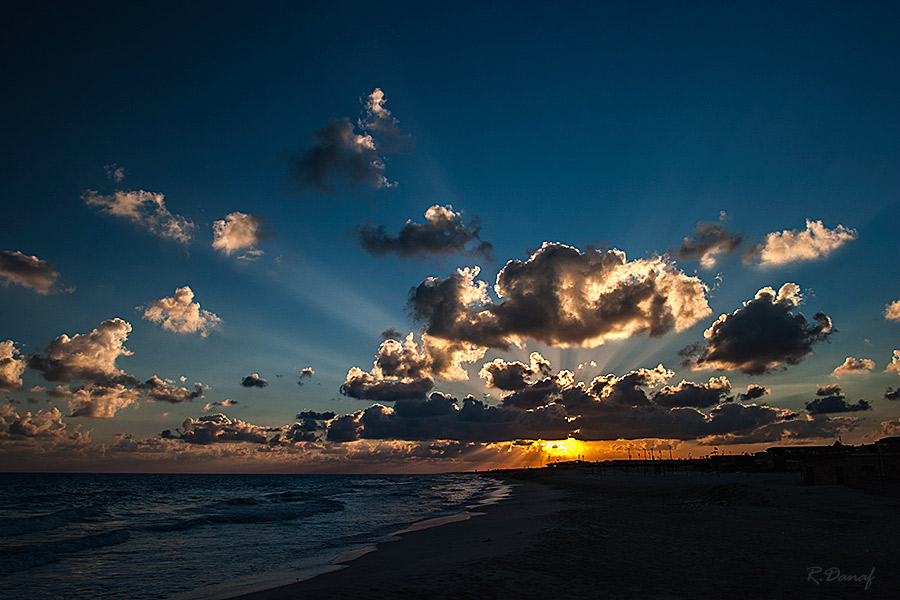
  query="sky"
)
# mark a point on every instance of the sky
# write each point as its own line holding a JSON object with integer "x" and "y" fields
{"x": 409, "y": 237}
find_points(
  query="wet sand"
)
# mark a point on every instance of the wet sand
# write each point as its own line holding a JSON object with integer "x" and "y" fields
{"x": 574, "y": 535}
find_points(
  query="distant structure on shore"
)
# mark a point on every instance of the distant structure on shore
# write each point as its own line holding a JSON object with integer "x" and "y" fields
{"x": 866, "y": 465}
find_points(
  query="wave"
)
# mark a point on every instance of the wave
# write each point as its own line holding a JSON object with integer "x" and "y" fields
{"x": 19, "y": 526}
{"x": 25, "y": 557}
{"x": 252, "y": 513}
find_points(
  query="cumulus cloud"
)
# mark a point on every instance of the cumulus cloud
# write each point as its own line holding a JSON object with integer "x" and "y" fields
{"x": 209, "y": 406}
{"x": 100, "y": 401}
{"x": 854, "y": 366}
{"x": 753, "y": 392}
{"x": 561, "y": 296}
{"x": 813, "y": 243}
{"x": 180, "y": 314}
{"x": 830, "y": 399}
{"x": 218, "y": 428}
{"x": 699, "y": 395}
{"x": 444, "y": 232}
{"x": 91, "y": 357}
{"x": 240, "y": 232}
{"x": 761, "y": 336}
{"x": 401, "y": 370}
{"x": 892, "y": 394}
{"x": 305, "y": 373}
{"x": 343, "y": 153}
{"x": 627, "y": 390}
{"x": 254, "y": 380}
{"x": 42, "y": 424}
{"x": 28, "y": 271}
{"x": 147, "y": 210}
{"x": 316, "y": 416}
{"x": 164, "y": 390}
{"x": 511, "y": 376}
{"x": 12, "y": 365}
{"x": 708, "y": 242}
{"x": 895, "y": 363}
{"x": 892, "y": 311}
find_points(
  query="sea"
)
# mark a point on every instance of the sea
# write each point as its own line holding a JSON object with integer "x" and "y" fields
{"x": 193, "y": 537}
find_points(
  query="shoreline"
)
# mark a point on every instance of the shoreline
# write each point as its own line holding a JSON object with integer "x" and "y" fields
{"x": 619, "y": 536}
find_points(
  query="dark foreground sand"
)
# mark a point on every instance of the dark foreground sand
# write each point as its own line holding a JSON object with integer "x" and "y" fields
{"x": 571, "y": 535}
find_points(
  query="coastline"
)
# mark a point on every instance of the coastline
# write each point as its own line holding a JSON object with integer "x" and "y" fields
{"x": 638, "y": 536}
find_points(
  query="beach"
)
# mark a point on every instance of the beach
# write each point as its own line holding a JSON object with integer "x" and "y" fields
{"x": 578, "y": 535}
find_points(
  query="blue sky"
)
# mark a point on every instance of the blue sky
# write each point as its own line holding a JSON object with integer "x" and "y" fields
{"x": 613, "y": 125}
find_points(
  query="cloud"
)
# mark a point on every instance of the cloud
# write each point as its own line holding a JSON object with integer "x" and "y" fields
{"x": 854, "y": 366}
{"x": 100, "y": 401}
{"x": 892, "y": 394}
{"x": 218, "y": 428}
{"x": 699, "y": 395}
{"x": 761, "y": 336}
{"x": 147, "y": 210}
{"x": 160, "y": 390}
{"x": 305, "y": 373}
{"x": 708, "y": 242}
{"x": 889, "y": 429}
{"x": 352, "y": 155}
{"x": 42, "y": 424}
{"x": 28, "y": 271}
{"x": 240, "y": 232}
{"x": 895, "y": 363}
{"x": 401, "y": 371}
{"x": 114, "y": 172}
{"x": 11, "y": 367}
{"x": 224, "y": 403}
{"x": 91, "y": 357}
{"x": 753, "y": 392}
{"x": 813, "y": 243}
{"x": 892, "y": 311}
{"x": 791, "y": 430}
{"x": 830, "y": 399}
{"x": 627, "y": 390}
{"x": 563, "y": 297}
{"x": 316, "y": 416}
{"x": 254, "y": 380}
{"x": 180, "y": 315}
{"x": 510, "y": 376}
{"x": 444, "y": 232}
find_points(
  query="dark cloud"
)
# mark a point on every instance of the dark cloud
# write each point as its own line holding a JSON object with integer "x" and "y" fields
{"x": 352, "y": 155}
{"x": 708, "y": 242}
{"x": 698, "y": 395}
{"x": 511, "y": 376}
{"x": 892, "y": 394}
{"x": 391, "y": 333}
{"x": 27, "y": 271}
{"x": 444, "y": 232}
{"x": 830, "y": 399}
{"x": 563, "y": 297}
{"x": 254, "y": 380}
{"x": 218, "y": 428}
{"x": 161, "y": 390}
{"x": 792, "y": 430}
{"x": 316, "y": 416}
{"x": 761, "y": 336}
{"x": 305, "y": 373}
{"x": 628, "y": 390}
{"x": 401, "y": 371}
{"x": 753, "y": 392}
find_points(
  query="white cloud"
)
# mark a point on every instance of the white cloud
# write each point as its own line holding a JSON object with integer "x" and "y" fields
{"x": 100, "y": 401}
{"x": 90, "y": 356}
{"x": 239, "y": 232}
{"x": 42, "y": 424}
{"x": 852, "y": 366}
{"x": 11, "y": 367}
{"x": 145, "y": 209}
{"x": 813, "y": 243}
{"x": 892, "y": 311}
{"x": 180, "y": 314}
{"x": 895, "y": 363}
{"x": 28, "y": 271}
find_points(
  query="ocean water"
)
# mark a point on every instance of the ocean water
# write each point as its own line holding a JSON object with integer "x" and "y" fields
{"x": 185, "y": 537}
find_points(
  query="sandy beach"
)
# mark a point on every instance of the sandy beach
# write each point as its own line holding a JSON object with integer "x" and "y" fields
{"x": 576, "y": 535}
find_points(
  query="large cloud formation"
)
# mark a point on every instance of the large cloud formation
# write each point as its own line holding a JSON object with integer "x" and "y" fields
{"x": 761, "y": 336}
{"x": 180, "y": 314}
{"x": 240, "y": 232}
{"x": 562, "y": 297}
{"x": 12, "y": 365}
{"x": 91, "y": 358}
{"x": 854, "y": 366}
{"x": 28, "y": 271}
{"x": 444, "y": 232}
{"x": 42, "y": 424}
{"x": 830, "y": 399}
{"x": 813, "y": 243}
{"x": 708, "y": 242}
{"x": 147, "y": 210}
{"x": 401, "y": 371}
{"x": 351, "y": 154}
{"x": 218, "y": 428}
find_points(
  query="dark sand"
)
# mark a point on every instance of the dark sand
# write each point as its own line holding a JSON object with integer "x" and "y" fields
{"x": 572, "y": 535}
